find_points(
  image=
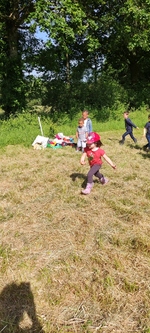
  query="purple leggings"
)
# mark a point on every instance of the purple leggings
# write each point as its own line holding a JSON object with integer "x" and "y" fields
{"x": 94, "y": 171}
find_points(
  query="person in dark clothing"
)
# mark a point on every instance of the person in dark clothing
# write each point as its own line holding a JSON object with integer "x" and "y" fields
{"x": 129, "y": 128}
{"x": 146, "y": 134}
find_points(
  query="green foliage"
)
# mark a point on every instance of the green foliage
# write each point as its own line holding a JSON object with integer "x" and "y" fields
{"x": 137, "y": 34}
{"x": 12, "y": 49}
{"x": 138, "y": 95}
{"x": 107, "y": 98}
{"x": 63, "y": 22}
{"x": 23, "y": 129}
{"x": 13, "y": 87}
{"x": 96, "y": 54}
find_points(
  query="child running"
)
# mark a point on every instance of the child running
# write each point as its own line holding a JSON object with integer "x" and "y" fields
{"x": 94, "y": 154}
{"x": 129, "y": 128}
{"x": 81, "y": 135}
{"x": 146, "y": 134}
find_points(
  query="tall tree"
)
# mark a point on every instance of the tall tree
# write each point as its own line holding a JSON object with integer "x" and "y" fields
{"x": 13, "y": 14}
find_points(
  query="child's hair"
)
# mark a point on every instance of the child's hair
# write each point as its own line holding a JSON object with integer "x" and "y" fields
{"x": 81, "y": 119}
{"x": 99, "y": 143}
{"x": 126, "y": 112}
{"x": 86, "y": 111}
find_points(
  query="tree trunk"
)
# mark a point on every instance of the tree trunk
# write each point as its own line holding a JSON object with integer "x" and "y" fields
{"x": 12, "y": 34}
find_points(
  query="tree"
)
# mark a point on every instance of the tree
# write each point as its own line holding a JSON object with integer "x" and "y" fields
{"x": 128, "y": 39}
{"x": 13, "y": 14}
{"x": 84, "y": 37}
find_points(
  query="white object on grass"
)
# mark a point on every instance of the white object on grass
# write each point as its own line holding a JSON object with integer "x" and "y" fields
{"x": 41, "y": 140}
{"x": 40, "y": 126}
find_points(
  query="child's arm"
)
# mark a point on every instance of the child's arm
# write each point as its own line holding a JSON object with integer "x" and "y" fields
{"x": 144, "y": 132}
{"x": 77, "y": 134}
{"x": 82, "y": 160}
{"x": 130, "y": 122}
{"x": 108, "y": 160}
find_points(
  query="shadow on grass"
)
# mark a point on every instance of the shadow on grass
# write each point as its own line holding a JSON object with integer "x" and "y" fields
{"x": 16, "y": 301}
{"x": 113, "y": 139}
{"x": 134, "y": 146}
{"x": 146, "y": 155}
{"x": 77, "y": 175}
{"x": 143, "y": 152}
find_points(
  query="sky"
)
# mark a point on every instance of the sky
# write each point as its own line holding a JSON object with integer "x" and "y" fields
{"x": 41, "y": 35}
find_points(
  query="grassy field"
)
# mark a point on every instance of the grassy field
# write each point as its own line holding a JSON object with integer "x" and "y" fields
{"x": 71, "y": 263}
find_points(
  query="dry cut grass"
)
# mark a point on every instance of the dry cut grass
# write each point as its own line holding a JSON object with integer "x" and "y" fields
{"x": 74, "y": 263}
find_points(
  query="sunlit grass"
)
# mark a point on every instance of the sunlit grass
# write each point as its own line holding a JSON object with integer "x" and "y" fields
{"x": 79, "y": 263}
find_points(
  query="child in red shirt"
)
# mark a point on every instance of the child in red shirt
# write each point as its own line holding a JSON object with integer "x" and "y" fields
{"x": 94, "y": 154}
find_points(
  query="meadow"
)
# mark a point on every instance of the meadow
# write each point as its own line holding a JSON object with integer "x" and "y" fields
{"x": 72, "y": 263}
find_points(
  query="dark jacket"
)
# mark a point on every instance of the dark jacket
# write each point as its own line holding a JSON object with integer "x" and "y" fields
{"x": 129, "y": 125}
{"x": 147, "y": 126}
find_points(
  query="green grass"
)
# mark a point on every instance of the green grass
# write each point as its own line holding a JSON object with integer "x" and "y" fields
{"x": 72, "y": 263}
{"x": 23, "y": 129}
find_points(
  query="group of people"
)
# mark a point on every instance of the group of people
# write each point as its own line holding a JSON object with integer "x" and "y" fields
{"x": 90, "y": 144}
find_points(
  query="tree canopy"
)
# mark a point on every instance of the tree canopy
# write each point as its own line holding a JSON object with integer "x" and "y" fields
{"x": 91, "y": 45}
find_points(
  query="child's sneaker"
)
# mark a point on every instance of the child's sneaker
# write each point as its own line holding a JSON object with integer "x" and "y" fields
{"x": 104, "y": 180}
{"x": 88, "y": 188}
{"x": 121, "y": 142}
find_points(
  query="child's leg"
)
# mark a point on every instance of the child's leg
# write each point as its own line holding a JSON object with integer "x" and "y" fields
{"x": 124, "y": 135}
{"x": 97, "y": 173}
{"x": 132, "y": 137}
{"x": 94, "y": 170}
{"x": 89, "y": 184}
{"x": 78, "y": 144}
{"x": 83, "y": 145}
{"x": 148, "y": 139}
{"x": 123, "y": 138}
{"x": 103, "y": 180}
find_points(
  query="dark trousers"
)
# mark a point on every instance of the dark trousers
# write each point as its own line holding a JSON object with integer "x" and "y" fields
{"x": 148, "y": 139}
{"x": 94, "y": 171}
{"x": 131, "y": 135}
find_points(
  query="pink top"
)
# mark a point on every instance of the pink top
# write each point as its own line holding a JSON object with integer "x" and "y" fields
{"x": 94, "y": 157}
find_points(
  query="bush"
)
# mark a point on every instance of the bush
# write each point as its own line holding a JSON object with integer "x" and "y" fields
{"x": 23, "y": 129}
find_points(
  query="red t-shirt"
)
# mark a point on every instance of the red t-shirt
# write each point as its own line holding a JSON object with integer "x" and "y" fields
{"x": 94, "y": 157}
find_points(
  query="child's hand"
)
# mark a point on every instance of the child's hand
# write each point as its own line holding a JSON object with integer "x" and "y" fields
{"x": 137, "y": 127}
{"x": 82, "y": 162}
{"x": 114, "y": 166}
